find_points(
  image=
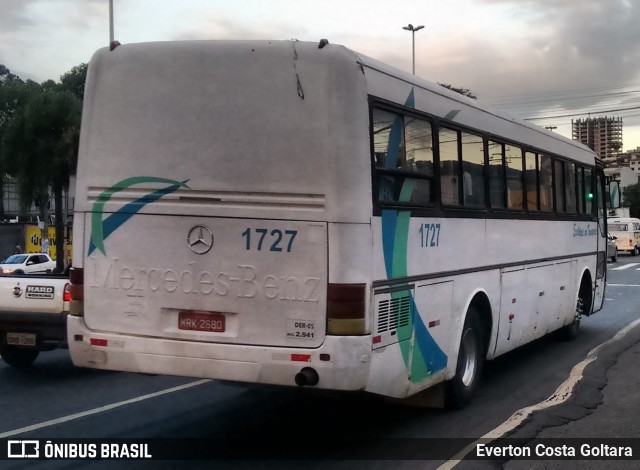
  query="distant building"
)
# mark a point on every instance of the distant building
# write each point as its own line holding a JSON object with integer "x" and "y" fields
{"x": 625, "y": 168}
{"x": 13, "y": 209}
{"x": 602, "y": 134}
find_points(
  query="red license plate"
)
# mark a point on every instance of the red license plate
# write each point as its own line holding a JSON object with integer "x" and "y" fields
{"x": 201, "y": 321}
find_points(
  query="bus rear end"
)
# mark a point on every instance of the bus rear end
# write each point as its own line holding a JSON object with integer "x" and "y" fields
{"x": 209, "y": 188}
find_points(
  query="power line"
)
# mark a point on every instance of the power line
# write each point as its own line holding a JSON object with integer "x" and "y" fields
{"x": 580, "y": 114}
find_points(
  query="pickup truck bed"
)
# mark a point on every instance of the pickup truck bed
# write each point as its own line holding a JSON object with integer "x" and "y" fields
{"x": 33, "y": 316}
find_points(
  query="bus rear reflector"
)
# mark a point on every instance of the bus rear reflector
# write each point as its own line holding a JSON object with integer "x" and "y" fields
{"x": 346, "y": 309}
{"x": 301, "y": 357}
{"x": 98, "y": 342}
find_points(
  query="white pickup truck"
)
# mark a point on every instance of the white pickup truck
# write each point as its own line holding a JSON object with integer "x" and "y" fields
{"x": 33, "y": 316}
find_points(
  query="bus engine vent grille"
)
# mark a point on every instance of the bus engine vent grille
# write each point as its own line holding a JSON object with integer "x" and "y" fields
{"x": 394, "y": 313}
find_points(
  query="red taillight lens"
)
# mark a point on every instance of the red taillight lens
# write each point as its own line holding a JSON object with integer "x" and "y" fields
{"x": 66, "y": 296}
{"x": 346, "y": 309}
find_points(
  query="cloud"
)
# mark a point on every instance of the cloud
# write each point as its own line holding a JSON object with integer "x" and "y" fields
{"x": 14, "y": 16}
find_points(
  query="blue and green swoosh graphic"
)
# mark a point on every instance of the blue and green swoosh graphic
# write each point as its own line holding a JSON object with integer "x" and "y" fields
{"x": 101, "y": 229}
{"x": 424, "y": 356}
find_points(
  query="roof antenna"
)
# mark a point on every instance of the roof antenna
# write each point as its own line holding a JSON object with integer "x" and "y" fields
{"x": 322, "y": 43}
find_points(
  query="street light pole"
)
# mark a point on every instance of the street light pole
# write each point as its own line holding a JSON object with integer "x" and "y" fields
{"x": 110, "y": 22}
{"x": 413, "y": 30}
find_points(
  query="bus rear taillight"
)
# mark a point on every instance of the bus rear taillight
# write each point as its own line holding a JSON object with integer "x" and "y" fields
{"x": 76, "y": 291}
{"x": 346, "y": 309}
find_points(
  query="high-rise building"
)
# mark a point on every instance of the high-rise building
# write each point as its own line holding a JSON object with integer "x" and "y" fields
{"x": 602, "y": 134}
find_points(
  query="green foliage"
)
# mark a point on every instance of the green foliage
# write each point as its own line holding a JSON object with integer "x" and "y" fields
{"x": 73, "y": 81}
{"x": 462, "y": 91}
{"x": 39, "y": 133}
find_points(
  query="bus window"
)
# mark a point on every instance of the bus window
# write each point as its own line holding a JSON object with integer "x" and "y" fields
{"x": 496, "y": 175}
{"x": 449, "y": 167}
{"x": 546, "y": 180}
{"x": 559, "y": 186}
{"x": 388, "y": 139}
{"x": 588, "y": 190}
{"x": 472, "y": 170}
{"x": 419, "y": 146}
{"x": 581, "y": 198}
{"x": 513, "y": 158}
{"x": 570, "y": 187}
{"x": 531, "y": 181}
{"x": 403, "y": 158}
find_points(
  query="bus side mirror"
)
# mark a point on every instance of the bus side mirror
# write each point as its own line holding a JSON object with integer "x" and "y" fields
{"x": 614, "y": 195}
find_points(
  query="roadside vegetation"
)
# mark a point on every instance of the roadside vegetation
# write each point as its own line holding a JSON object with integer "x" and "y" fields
{"x": 39, "y": 131}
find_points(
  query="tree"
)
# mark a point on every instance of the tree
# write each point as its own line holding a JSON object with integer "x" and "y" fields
{"x": 74, "y": 80}
{"x": 39, "y": 133}
{"x": 13, "y": 94}
{"x": 462, "y": 91}
{"x": 42, "y": 138}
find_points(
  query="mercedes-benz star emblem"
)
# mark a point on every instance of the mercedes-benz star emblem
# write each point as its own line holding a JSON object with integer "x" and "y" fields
{"x": 200, "y": 239}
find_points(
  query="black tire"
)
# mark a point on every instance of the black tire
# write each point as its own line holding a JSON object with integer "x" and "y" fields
{"x": 572, "y": 330}
{"x": 18, "y": 357}
{"x": 18, "y": 271}
{"x": 461, "y": 388}
{"x": 615, "y": 257}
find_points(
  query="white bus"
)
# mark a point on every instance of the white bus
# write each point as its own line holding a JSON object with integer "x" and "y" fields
{"x": 298, "y": 214}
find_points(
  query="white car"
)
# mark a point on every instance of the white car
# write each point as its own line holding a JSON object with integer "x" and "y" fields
{"x": 27, "y": 263}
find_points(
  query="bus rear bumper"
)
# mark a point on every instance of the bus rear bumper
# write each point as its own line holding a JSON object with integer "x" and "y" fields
{"x": 342, "y": 362}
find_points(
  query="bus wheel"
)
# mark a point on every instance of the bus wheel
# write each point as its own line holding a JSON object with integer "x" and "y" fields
{"x": 570, "y": 331}
{"x": 17, "y": 357}
{"x": 460, "y": 389}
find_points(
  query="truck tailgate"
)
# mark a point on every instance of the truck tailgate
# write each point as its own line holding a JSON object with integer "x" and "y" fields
{"x": 32, "y": 294}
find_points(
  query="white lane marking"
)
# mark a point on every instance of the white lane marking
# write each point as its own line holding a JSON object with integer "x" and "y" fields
{"x": 623, "y": 285}
{"x": 625, "y": 266}
{"x": 101, "y": 409}
{"x": 562, "y": 393}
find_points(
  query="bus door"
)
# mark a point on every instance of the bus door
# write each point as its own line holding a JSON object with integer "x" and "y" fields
{"x": 601, "y": 268}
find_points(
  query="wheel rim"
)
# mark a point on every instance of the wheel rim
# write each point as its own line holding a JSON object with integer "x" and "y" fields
{"x": 469, "y": 358}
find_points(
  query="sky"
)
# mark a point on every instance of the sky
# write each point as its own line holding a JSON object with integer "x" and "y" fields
{"x": 546, "y": 60}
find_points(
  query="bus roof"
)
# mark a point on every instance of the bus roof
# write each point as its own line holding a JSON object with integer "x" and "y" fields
{"x": 416, "y": 81}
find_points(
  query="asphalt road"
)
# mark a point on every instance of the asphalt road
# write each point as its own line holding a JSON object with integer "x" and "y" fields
{"x": 53, "y": 400}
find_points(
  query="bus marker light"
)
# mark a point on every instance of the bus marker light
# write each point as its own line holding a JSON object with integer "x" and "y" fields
{"x": 511, "y": 316}
{"x": 434, "y": 323}
{"x": 301, "y": 357}
{"x": 78, "y": 337}
{"x": 325, "y": 357}
{"x": 98, "y": 342}
{"x": 377, "y": 339}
